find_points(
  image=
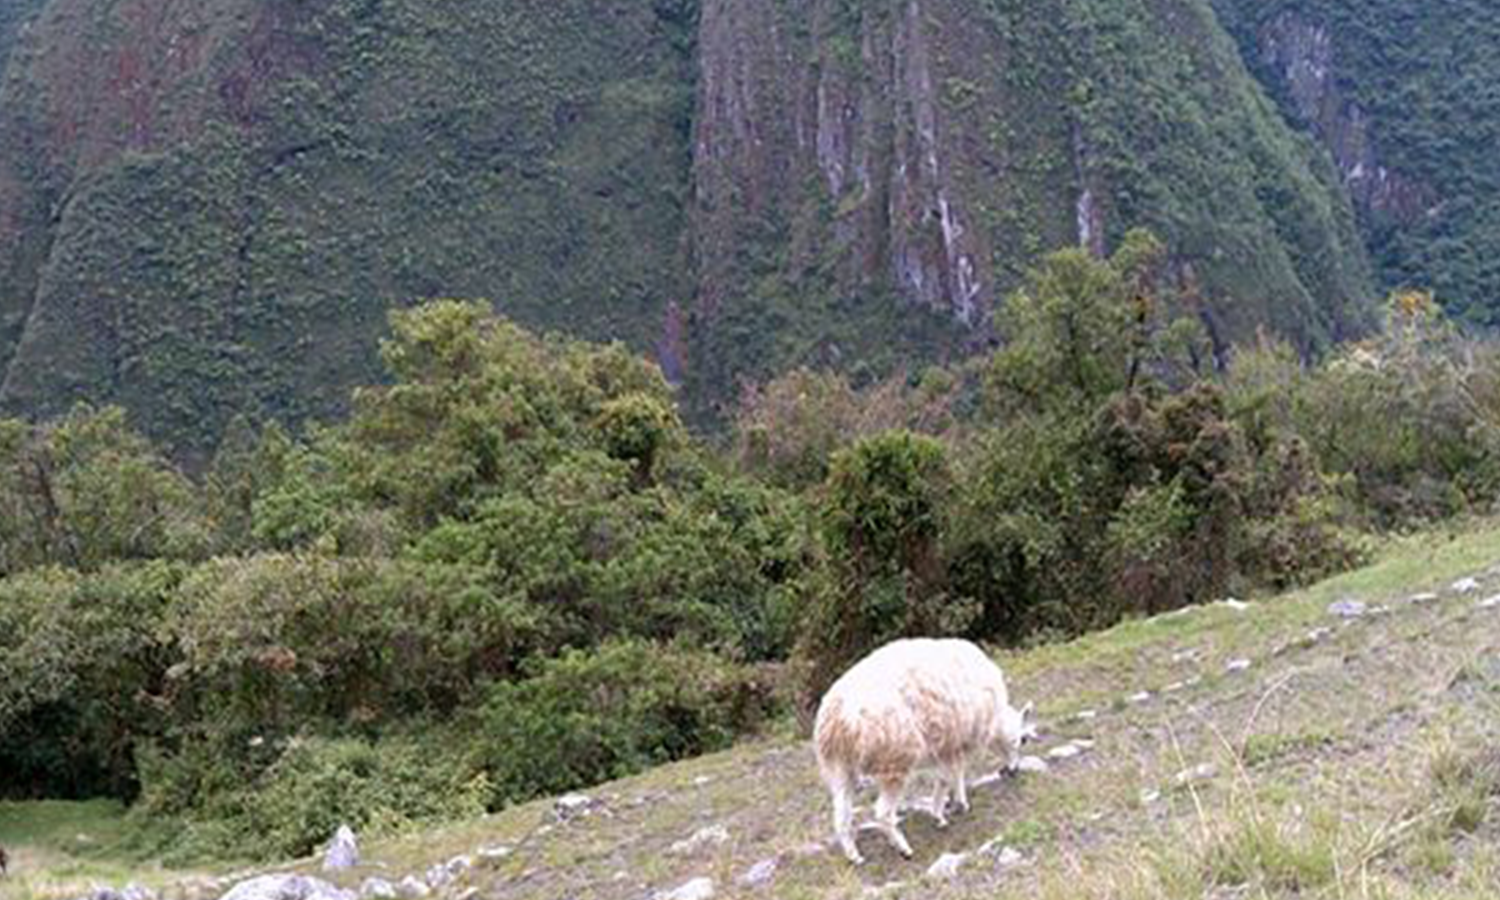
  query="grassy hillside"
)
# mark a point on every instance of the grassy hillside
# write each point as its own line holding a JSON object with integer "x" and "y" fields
{"x": 1273, "y": 751}
{"x": 1413, "y": 95}
{"x": 207, "y": 208}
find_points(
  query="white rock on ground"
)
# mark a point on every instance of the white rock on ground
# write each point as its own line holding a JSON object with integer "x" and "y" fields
{"x": 1236, "y": 605}
{"x": 343, "y": 850}
{"x": 697, "y": 889}
{"x": 760, "y": 874}
{"x": 1009, "y": 857}
{"x": 1346, "y": 609}
{"x": 287, "y": 887}
{"x": 377, "y": 889}
{"x": 1086, "y": 715}
{"x": 947, "y": 865}
{"x": 443, "y": 873}
{"x": 1465, "y": 585}
{"x": 1490, "y": 602}
{"x": 1138, "y": 697}
{"x": 712, "y": 836}
{"x": 1317, "y": 634}
{"x": 1033, "y": 764}
{"x": 570, "y": 806}
{"x": 413, "y": 888}
{"x": 133, "y": 891}
{"x": 1424, "y": 597}
{"x": 1200, "y": 772}
{"x": 493, "y": 852}
{"x": 1150, "y": 796}
{"x": 1237, "y": 665}
{"x": 1066, "y": 751}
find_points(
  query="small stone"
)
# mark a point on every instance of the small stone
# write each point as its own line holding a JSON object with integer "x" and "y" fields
{"x": 1066, "y": 751}
{"x": 1139, "y": 697}
{"x": 1086, "y": 715}
{"x": 494, "y": 852}
{"x": 759, "y": 875}
{"x": 697, "y": 889}
{"x": 1174, "y": 687}
{"x": 1346, "y": 609}
{"x": 1150, "y": 796}
{"x": 1200, "y": 772}
{"x": 343, "y": 850}
{"x": 947, "y": 865}
{"x": 712, "y": 836}
{"x": 1490, "y": 602}
{"x": 443, "y": 873}
{"x": 1237, "y": 665}
{"x": 1083, "y": 743}
{"x": 1318, "y": 634}
{"x": 1380, "y": 610}
{"x": 1009, "y": 858}
{"x": 570, "y": 806}
{"x": 412, "y": 887}
{"x": 1424, "y": 597}
{"x": 1465, "y": 586}
{"x": 701, "y": 780}
{"x": 1236, "y": 605}
{"x": 377, "y": 889}
{"x": 1183, "y": 656}
{"x": 1033, "y": 764}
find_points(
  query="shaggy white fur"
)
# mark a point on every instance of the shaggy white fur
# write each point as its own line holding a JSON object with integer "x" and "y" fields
{"x": 910, "y": 705}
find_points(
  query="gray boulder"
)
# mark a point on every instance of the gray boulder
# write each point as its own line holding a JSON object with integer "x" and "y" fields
{"x": 377, "y": 889}
{"x": 343, "y": 851}
{"x": 287, "y": 887}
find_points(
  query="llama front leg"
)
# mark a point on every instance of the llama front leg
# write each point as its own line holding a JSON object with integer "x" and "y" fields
{"x": 842, "y": 790}
{"x": 886, "y": 809}
{"x": 961, "y": 786}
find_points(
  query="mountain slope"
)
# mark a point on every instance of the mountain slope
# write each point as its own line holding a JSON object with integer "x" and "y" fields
{"x": 207, "y": 208}
{"x": 1407, "y": 100}
{"x": 1342, "y": 754}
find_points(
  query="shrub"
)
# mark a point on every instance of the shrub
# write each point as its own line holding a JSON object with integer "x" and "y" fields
{"x": 314, "y": 786}
{"x": 589, "y": 716}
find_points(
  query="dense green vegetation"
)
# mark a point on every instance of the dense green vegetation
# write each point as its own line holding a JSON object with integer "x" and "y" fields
{"x": 220, "y": 230}
{"x": 511, "y": 571}
{"x": 1427, "y": 83}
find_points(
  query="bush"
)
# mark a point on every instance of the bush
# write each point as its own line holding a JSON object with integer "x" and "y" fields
{"x": 84, "y": 661}
{"x": 314, "y": 786}
{"x": 590, "y": 716}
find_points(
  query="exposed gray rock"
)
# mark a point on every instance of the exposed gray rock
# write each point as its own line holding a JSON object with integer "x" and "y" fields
{"x": 1237, "y": 665}
{"x": 1139, "y": 697}
{"x": 571, "y": 806}
{"x": 377, "y": 889}
{"x": 1318, "y": 634}
{"x": 1236, "y": 605}
{"x": 1033, "y": 764}
{"x": 1424, "y": 597}
{"x": 1086, "y": 715}
{"x": 287, "y": 887}
{"x": 1066, "y": 751}
{"x": 1490, "y": 602}
{"x": 1346, "y": 609}
{"x": 697, "y": 889}
{"x": 711, "y": 836}
{"x": 444, "y": 873}
{"x": 135, "y": 891}
{"x": 494, "y": 852}
{"x": 1150, "y": 796}
{"x": 1465, "y": 586}
{"x": 413, "y": 888}
{"x": 759, "y": 875}
{"x": 343, "y": 850}
{"x": 1200, "y": 772}
{"x": 1009, "y": 857}
{"x": 947, "y": 865}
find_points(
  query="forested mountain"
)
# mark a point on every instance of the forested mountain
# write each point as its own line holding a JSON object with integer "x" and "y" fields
{"x": 208, "y": 208}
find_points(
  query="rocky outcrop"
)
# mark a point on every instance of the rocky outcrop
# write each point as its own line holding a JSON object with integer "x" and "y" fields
{"x": 1303, "y": 56}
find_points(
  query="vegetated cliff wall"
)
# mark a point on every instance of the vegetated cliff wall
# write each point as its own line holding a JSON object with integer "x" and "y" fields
{"x": 1406, "y": 99}
{"x": 207, "y": 208}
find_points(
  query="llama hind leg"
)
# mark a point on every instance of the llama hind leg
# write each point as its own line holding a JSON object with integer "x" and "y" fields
{"x": 886, "y": 818}
{"x": 841, "y": 787}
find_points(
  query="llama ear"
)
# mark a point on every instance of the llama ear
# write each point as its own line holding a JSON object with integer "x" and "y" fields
{"x": 1026, "y": 711}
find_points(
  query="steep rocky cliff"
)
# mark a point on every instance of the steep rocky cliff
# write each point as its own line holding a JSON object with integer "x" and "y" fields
{"x": 206, "y": 208}
{"x": 1406, "y": 97}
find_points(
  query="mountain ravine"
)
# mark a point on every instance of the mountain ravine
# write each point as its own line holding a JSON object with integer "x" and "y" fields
{"x": 207, "y": 208}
